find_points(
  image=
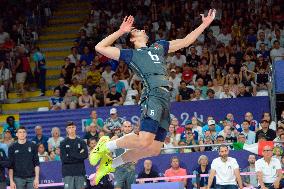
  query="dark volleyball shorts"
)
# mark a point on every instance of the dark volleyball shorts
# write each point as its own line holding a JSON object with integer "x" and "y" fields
{"x": 155, "y": 116}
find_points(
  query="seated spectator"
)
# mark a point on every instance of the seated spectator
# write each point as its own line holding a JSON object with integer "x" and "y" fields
{"x": 203, "y": 168}
{"x": 53, "y": 156}
{"x": 217, "y": 88}
{"x": 76, "y": 88}
{"x": 250, "y": 135}
{"x": 179, "y": 129}
{"x": 187, "y": 74}
{"x": 132, "y": 96}
{"x": 120, "y": 87}
{"x": 74, "y": 57}
{"x": 253, "y": 123}
{"x": 81, "y": 77}
{"x": 227, "y": 93}
{"x": 189, "y": 140}
{"x": 233, "y": 87}
{"x": 193, "y": 59}
{"x": 228, "y": 134}
{"x": 113, "y": 122}
{"x": 61, "y": 87}
{"x": 55, "y": 139}
{"x": 197, "y": 95}
{"x": 40, "y": 138}
{"x": 189, "y": 129}
{"x": 211, "y": 122}
{"x": 11, "y": 125}
{"x": 55, "y": 101}
{"x": 95, "y": 74}
{"x": 87, "y": 56}
{"x": 176, "y": 170}
{"x": 147, "y": 172}
{"x": 277, "y": 152}
{"x": 92, "y": 133}
{"x": 107, "y": 74}
{"x": 92, "y": 142}
{"x": 219, "y": 140}
{"x": 206, "y": 139}
{"x": 281, "y": 120}
{"x": 67, "y": 70}
{"x": 279, "y": 131}
{"x": 42, "y": 154}
{"x": 90, "y": 86}
{"x": 85, "y": 100}
{"x": 174, "y": 79}
{"x": 122, "y": 71}
{"x": 269, "y": 134}
{"x": 242, "y": 138}
{"x": 199, "y": 84}
{"x": 250, "y": 180}
{"x": 242, "y": 91}
{"x": 57, "y": 154}
{"x": 95, "y": 120}
{"x": 8, "y": 139}
{"x": 113, "y": 98}
{"x": 168, "y": 146}
{"x": 185, "y": 93}
{"x": 210, "y": 94}
{"x": 5, "y": 75}
{"x": 267, "y": 116}
{"x": 277, "y": 51}
{"x": 69, "y": 101}
{"x": 174, "y": 136}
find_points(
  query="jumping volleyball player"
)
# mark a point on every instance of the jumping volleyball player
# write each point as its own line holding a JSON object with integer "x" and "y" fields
{"x": 150, "y": 65}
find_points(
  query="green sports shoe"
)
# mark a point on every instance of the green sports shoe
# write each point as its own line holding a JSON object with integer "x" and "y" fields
{"x": 105, "y": 168}
{"x": 99, "y": 151}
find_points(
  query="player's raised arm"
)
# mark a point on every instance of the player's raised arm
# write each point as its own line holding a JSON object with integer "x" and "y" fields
{"x": 191, "y": 37}
{"x": 104, "y": 47}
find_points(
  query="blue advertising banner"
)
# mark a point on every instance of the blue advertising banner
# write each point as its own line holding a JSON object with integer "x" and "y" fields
{"x": 50, "y": 172}
{"x": 182, "y": 110}
{"x": 279, "y": 76}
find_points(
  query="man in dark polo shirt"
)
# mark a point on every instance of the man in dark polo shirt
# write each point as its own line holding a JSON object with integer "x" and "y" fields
{"x": 24, "y": 162}
{"x": 269, "y": 134}
{"x": 148, "y": 171}
{"x": 73, "y": 153}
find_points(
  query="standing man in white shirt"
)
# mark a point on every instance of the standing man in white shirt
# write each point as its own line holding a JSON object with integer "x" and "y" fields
{"x": 268, "y": 170}
{"x": 226, "y": 170}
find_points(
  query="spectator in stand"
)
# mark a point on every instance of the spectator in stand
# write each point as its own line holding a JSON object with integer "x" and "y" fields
{"x": 199, "y": 84}
{"x": 193, "y": 59}
{"x": 176, "y": 170}
{"x": 250, "y": 180}
{"x": 175, "y": 79}
{"x": 120, "y": 87}
{"x": 40, "y": 69}
{"x": 241, "y": 138}
{"x": 85, "y": 100}
{"x": 281, "y": 120}
{"x": 132, "y": 96}
{"x": 268, "y": 169}
{"x": 174, "y": 136}
{"x": 5, "y": 75}
{"x": 224, "y": 37}
{"x": 227, "y": 93}
{"x": 55, "y": 101}
{"x": 168, "y": 146}
{"x": 4, "y": 164}
{"x": 55, "y": 139}
{"x": 210, "y": 94}
{"x": 42, "y": 154}
{"x": 197, "y": 95}
{"x": 21, "y": 68}
{"x": 228, "y": 134}
{"x": 69, "y": 101}
{"x": 277, "y": 52}
{"x": 250, "y": 135}
{"x": 219, "y": 140}
{"x": 107, "y": 74}
{"x": 187, "y": 74}
{"x": 178, "y": 59}
{"x": 87, "y": 56}
{"x": 203, "y": 168}
{"x": 226, "y": 170}
{"x": 11, "y": 125}
{"x": 7, "y": 138}
{"x": 95, "y": 74}
{"x": 268, "y": 133}
{"x": 74, "y": 57}
{"x": 4, "y": 36}
{"x": 253, "y": 123}
{"x": 147, "y": 172}
{"x": 24, "y": 162}
{"x": 113, "y": 122}
{"x": 93, "y": 132}
{"x": 211, "y": 124}
{"x": 113, "y": 98}
{"x": 95, "y": 120}
{"x": 99, "y": 97}
{"x": 242, "y": 91}
{"x": 79, "y": 75}
{"x": 262, "y": 40}
{"x": 279, "y": 131}
{"x": 185, "y": 93}
{"x": 40, "y": 138}
{"x": 67, "y": 70}
{"x": 92, "y": 142}
{"x": 267, "y": 117}
{"x": 277, "y": 152}
{"x": 61, "y": 87}
{"x": 122, "y": 71}
{"x": 76, "y": 88}
{"x": 53, "y": 157}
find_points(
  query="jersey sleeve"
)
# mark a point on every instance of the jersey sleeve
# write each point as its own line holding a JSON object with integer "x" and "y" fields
{"x": 126, "y": 55}
{"x": 165, "y": 45}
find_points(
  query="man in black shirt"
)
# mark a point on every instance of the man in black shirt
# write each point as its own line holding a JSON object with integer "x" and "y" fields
{"x": 148, "y": 172}
{"x": 113, "y": 98}
{"x": 4, "y": 163}
{"x": 73, "y": 153}
{"x": 269, "y": 134}
{"x": 242, "y": 91}
{"x": 62, "y": 87}
{"x": 24, "y": 162}
{"x": 185, "y": 93}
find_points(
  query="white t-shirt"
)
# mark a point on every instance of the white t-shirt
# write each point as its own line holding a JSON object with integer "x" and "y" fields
{"x": 277, "y": 52}
{"x": 108, "y": 76}
{"x": 129, "y": 97}
{"x": 179, "y": 61}
{"x": 269, "y": 171}
{"x": 225, "y": 171}
{"x": 224, "y": 38}
{"x": 73, "y": 58}
{"x": 224, "y": 95}
{"x": 176, "y": 82}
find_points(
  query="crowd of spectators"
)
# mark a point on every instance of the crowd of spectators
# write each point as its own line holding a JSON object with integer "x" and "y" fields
{"x": 20, "y": 25}
{"x": 231, "y": 59}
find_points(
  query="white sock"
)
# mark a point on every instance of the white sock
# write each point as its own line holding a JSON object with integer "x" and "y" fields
{"x": 111, "y": 145}
{"x": 117, "y": 162}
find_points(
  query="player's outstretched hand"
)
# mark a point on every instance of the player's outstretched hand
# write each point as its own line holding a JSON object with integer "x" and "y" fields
{"x": 209, "y": 18}
{"x": 126, "y": 25}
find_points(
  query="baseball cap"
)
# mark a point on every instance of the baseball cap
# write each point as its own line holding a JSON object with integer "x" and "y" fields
{"x": 259, "y": 55}
{"x": 173, "y": 70}
{"x": 187, "y": 75}
{"x": 112, "y": 85}
{"x": 211, "y": 122}
{"x": 113, "y": 111}
{"x": 188, "y": 122}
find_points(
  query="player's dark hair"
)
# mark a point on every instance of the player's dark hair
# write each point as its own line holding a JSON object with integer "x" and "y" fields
{"x": 22, "y": 127}
{"x": 128, "y": 41}
{"x": 174, "y": 157}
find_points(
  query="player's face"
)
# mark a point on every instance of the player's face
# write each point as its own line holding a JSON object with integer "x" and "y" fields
{"x": 224, "y": 152}
{"x": 139, "y": 35}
